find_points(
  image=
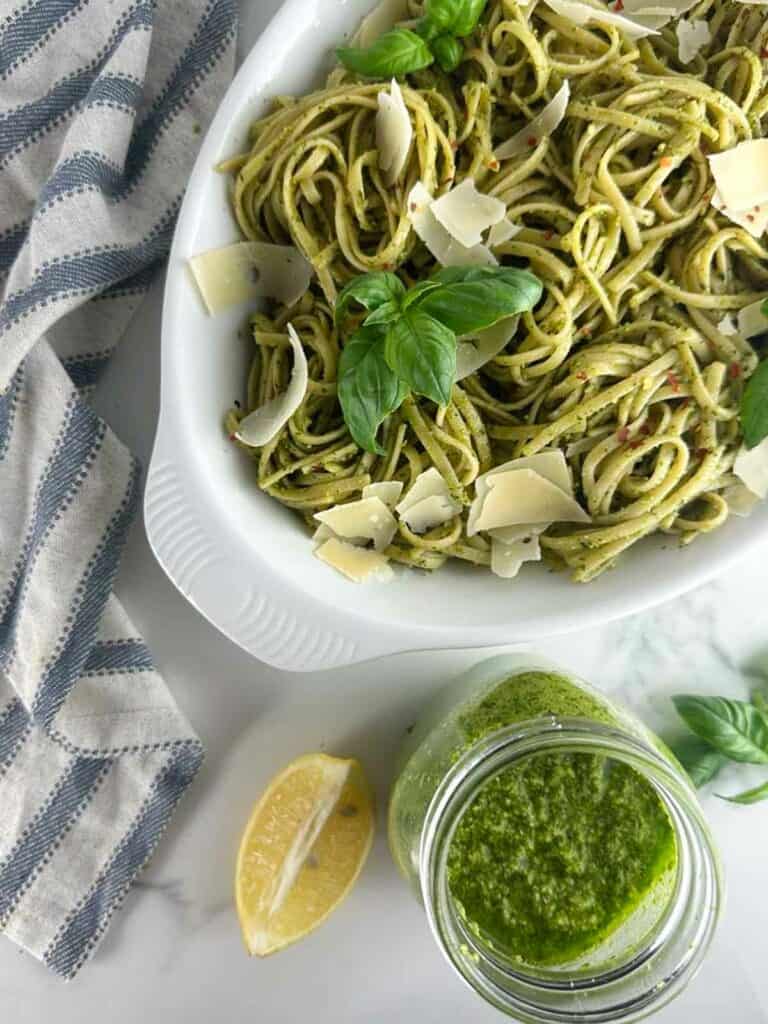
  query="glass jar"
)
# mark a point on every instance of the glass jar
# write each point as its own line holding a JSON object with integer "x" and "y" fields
{"x": 514, "y": 712}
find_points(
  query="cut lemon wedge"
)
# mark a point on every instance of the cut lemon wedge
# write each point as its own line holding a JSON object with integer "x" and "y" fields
{"x": 304, "y": 846}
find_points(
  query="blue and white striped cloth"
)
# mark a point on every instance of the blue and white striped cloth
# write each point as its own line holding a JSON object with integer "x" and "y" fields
{"x": 101, "y": 109}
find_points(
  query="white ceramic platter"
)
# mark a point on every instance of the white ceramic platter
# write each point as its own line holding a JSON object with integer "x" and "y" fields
{"x": 244, "y": 561}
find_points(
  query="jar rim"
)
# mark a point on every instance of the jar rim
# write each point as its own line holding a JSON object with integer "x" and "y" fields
{"x": 528, "y": 991}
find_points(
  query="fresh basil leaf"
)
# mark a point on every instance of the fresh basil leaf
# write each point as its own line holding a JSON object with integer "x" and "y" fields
{"x": 700, "y": 760}
{"x": 418, "y": 290}
{"x": 369, "y": 290}
{"x": 749, "y": 796}
{"x": 734, "y": 727}
{"x": 470, "y": 305}
{"x": 760, "y": 701}
{"x": 383, "y": 314}
{"x": 368, "y": 389}
{"x": 455, "y": 17}
{"x": 448, "y": 52}
{"x": 422, "y": 352}
{"x": 511, "y": 275}
{"x": 754, "y": 407}
{"x": 394, "y": 54}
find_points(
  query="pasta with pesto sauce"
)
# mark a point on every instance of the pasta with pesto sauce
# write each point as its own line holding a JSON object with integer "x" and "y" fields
{"x": 622, "y": 365}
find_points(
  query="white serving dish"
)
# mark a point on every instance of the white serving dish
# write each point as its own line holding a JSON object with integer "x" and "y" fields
{"x": 244, "y": 561}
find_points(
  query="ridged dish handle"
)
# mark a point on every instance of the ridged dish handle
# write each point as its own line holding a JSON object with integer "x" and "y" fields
{"x": 284, "y": 627}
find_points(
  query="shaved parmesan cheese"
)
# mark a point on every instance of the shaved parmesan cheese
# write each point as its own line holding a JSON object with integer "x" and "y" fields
{"x": 502, "y": 232}
{"x": 657, "y": 13}
{"x": 754, "y": 220}
{"x": 381, "y": 19}
{"x": 727, "y": 325}
{"x": 741, "y": 174}
{"x": 322, "y": 533}
{"x": 740, "y": 499}
{"x": 506, "y": 559}
{"x": 541, "y": 126}
{"x": 394, "y": 132}
{"x": 430, "y": 512}
{"x": 549, "y": 464}
{"x": 388, "y": 491}
{"x": 752, "y": 320}
{"x": 428, "y": 484}
{"x": 520, "y": 496}
{"x": 444, "y": 248}
{"x": 751, "y": 466}
{"x": 357, "y": 564}
{"x": 691, "y": 36}
{"x": 473, "y": 353}
{"x": 264, "y": 423}
{"x": 367, "y": 519}
{"x": 512, "y": 534}
{"x": 466, "y": 213}
{"x": 583, "y": 14}
{"x": 250, "y": 270}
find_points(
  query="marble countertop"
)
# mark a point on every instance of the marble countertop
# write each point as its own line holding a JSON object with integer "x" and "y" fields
{"x": 174, "y": 951}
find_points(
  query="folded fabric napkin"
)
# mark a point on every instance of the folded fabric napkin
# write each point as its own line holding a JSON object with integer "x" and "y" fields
{"x": 101, "y": 110}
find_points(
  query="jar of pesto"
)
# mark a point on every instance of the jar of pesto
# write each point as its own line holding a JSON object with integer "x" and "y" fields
{"x": 558, "y": 848}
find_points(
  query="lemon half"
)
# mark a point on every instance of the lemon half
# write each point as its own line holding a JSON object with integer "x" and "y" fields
{"x": 302, "y": 850}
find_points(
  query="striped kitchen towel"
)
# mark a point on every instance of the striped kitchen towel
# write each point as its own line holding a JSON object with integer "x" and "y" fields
{"x": 101, "y": 109}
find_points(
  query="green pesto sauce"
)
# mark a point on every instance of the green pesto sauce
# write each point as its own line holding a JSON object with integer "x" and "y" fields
{"x": 557, "y": 851}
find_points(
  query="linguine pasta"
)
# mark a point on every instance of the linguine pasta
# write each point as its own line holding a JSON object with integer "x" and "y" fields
{"x": 622, "y": 365}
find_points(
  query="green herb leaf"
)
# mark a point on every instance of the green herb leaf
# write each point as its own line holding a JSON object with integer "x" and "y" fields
{"x": 369, "y": 290}
{"x": 454, "y": 17}
{"x": 754, "y": 407}
{"x": 383, "y": 314}
{"x": 448, "y": 52}
{"x": 734, "y": 727}
{"x": 422, "y": 352}
{"x": 394, "y": 54}
{"x": 368, "y": 389}
{"x": 764, "y": 308}
{"x": 760, "y": 701}
{"x": 749, "y": 796}
{"x": 700, "y": 760}
{"x": 472, "y": 304}
{"x": 418, "y": 290}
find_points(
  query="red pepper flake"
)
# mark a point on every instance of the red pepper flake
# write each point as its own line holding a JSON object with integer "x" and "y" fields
{"x": 685, "y": 403}
{"x": 532, "y": 141}
{"x": 665, "y": 161}
{"x": 549, "y": 233}
{"x": 674, "y": 381}
{"x": 413, "y": 207}
{"x": 581, "y": 375}
{"x": 701, "y": 452}
{"x": 494, "y": 165}
{"x": 619, "y": 5}
{"x": 232, "y": 437}
{"x": 750, "y": 216}
{"x": 646, "y": 429}
{"x": 623, "y": 435}
{"x": 764, "y": 53}
{"x": 635, "y": 444}
{"x": 734, "y": 371}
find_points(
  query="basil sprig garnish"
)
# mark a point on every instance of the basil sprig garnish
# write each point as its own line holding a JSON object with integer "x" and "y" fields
{"x": 724, "y": 730}
{"x": 401, "y": 51}
{"x": 407, "y": 339}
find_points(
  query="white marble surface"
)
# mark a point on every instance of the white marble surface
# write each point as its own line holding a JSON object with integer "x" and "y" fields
{"x": 174, "y": 953}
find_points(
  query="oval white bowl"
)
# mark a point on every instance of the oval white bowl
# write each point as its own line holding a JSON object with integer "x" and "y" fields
{"x": 244, "y": 561}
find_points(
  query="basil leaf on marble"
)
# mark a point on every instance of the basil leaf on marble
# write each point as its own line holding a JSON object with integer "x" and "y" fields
{"x": 735, "y": 728}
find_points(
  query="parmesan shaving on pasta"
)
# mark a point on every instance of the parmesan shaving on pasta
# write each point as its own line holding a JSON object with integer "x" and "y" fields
{"x": 466, "y": 213}
{"x": 586, "y": 14}
{"x": 691, "y": 36}
{"x": 358, "y": 564}
{"x": 264, "y": 423}
{"x": 541, "y": 126}
{"x": 751, "y": 467}
{"x": 250, "y": 270}
{"x": 394, "y": 132}
{"x": 443, "y": 246}
{"x": 474, "y": 353}
{"x": 741, "y": 174}
{"x": 367, "y": 519}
